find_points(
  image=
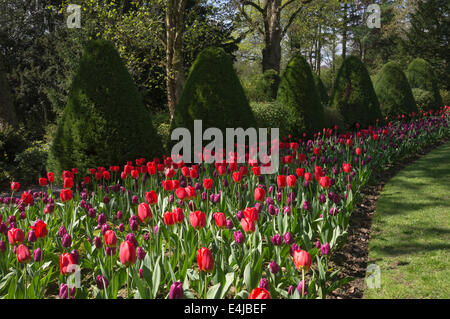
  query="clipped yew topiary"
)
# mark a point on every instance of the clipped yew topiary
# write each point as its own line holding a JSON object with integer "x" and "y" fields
{"x": 213, "y": 93}
{"x": 104, "y": 121}
{"x": 354, "y": 96}
{"x": 393, "y": 91}
{"x": 321, "y": 89}
{"x": 420, "y": 75}
{"x": 298, "y": 92}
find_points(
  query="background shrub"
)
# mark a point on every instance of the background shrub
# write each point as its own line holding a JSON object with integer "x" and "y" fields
{"x": 420, "y": 75}
{"x": 445, "y": 97}
{"x": 354, "y": 96}
{"x": 272, "y": 115}
{"x": 424, "y": 99}
{"x": 12, "y": 143}
{"x": 333, "y": 117}
{"x": 393, "y": 91}
{"x": 298, "y": 93}
{"x": 213, "y": 94}
{"x": 104, "y": 122}
{"x": 29, "y": 165}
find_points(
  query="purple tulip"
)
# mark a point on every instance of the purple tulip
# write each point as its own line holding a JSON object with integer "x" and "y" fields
{"x": 176, "y": 290}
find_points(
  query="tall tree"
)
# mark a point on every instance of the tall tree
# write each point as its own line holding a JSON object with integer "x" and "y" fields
{"x": 273, "y": 32}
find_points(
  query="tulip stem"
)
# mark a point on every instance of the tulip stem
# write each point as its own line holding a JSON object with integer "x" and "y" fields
{"x": 25, "y": 281}
{"x": 206, "y": 286}
{"x": 128, "y": 282}
{"x": 303, "y": 282}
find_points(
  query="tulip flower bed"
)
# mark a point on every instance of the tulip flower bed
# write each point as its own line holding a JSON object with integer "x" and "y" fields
{"x": 160, "y": 230}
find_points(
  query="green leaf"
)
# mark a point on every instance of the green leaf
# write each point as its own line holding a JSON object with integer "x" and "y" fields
{"x": 213, "y": 292}
{"x": 229, "y": 278}
{"x": 156, "y": 277}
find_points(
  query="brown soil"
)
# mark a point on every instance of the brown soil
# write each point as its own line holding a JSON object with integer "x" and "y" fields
{"x": 352, "y": 258}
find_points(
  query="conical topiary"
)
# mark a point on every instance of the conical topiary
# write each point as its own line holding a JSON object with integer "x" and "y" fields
{"x": 321, "y": 89}
{"x": 104, "y": 121}
{"x": 354, "y": 96}
{"x": 393, "y": 91}
{"x": 420, "y": 75}
{"x": 213, "y": 93}
{"x": 298, "y": 93}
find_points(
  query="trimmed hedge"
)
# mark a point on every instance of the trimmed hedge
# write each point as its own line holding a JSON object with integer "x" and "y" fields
{"x": 104, "y": 121}
{"x": 421, "y": 75}
{"x": 213, "y": 94}
{"x": 393, "y": 91}
{"x": 354, "y": 96}
{"x": 424, "y": 99}
{"x": 298, "y": 93}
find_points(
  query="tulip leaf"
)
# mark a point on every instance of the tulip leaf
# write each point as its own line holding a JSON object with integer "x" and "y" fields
{"x": 229, "y": 278}
{"x": 138, "y": 282}
{"x": 243, "y": 294}
{"x": 213, "y": 292}
{"x": 248, "y": 276}
{"x": 156, "y": 277}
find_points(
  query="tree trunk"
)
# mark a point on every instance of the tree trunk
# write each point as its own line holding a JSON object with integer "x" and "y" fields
{"x": 344, "y": 33}
{"x": 271, "y": 53}
{"x": 174, "y": 52}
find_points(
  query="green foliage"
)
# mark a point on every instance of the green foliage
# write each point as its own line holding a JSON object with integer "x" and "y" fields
{"x": 393, "y": 91}
{"x": 261, "y": 87}
{"x": 424, "y": 99}
{"x": 332, "y": 118}
{"x": 104, "y": 122}
{"x": 298, "y": 93}
{"x": 12, "y": 143}
{"x": 445, "y": 97}
{"x": 420, "y": 75}
{"x": 7, "y": 110}
{"x": 321, "y": 89}
{"x": 29, "y": 165}
{"x": 213, "y": 93}
{"x": 272, "y": 115}
{"x": 354, "y": 96}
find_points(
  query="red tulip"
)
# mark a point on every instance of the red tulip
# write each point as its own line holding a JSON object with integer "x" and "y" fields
{"x": 316, "y": 151}
{"x": 221, "y": 170}
{"x": 127, "y": 253}
{"x": 325, "y": 182}
{"x": 308, "y": 177}
{"x": 169, "y": 219}
{"x": 27, "y": 198}
{"x": 67, "y": 174}
{"x": 281, "y": 181}
{"x": 42, "y": 182}
{"x": 190, "y": 192}
{"x": 65, "y": 195}
{"x": 23, "y": 254}
{"x": 110, "y": 238}
{"x": 358, "y": 151}
{"x": 259, "y": 293}
{"x": 134, "y": 173}
{"x": 193, "y": 173}
{"x": 151, "y": 197}
{"x": 237, "y": 177}
{"x": 205, "y": 260}
{"x": 197, "y": 219}
{"x": 178, "y": 215}
{"x": 144, "y": 212}
{"x": 51, "y": 177}
{"x": 15, "y": 236}
{"x": 248, "y": 225}
{"x": 347, "y": 167}
{"x": 302, "y": 259}
{"x": 251, "y": 213}
{"x": 291, "y": 180}
{"x": 208, "y": 183}
{"x": 220, "y": 219}
{"x": 300, "y": 172}
{"x": 40, "y": 229}
{"x": 260, "y": 194}
{"x": 168, "y": 185}
{"x": 256, "y": 170}
{"x": 68, "y": 182}
{"x": 87, "y": 180}
{"x": 106, "y": 175}
{"x": 66, "y": 263}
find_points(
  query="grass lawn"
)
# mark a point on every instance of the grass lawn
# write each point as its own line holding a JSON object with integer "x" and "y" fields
{"x": 410, "y": 239}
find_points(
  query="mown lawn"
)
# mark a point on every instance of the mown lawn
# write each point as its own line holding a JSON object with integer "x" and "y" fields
{"x": 410, "y": 239}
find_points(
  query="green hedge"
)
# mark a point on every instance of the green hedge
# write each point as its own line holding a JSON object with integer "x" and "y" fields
{"x": 321, "y": 89}
{"x": 421, "y": 75}
{"x": 393, "y": 91}
{"x": 213, "y": 94}
{"x": 104, "y": 121}
{"x": 354, "y": 96}
{"x": 298, "y": 93}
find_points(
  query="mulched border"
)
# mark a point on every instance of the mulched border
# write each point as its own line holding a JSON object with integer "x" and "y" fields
{"x": 352, "y": 258}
